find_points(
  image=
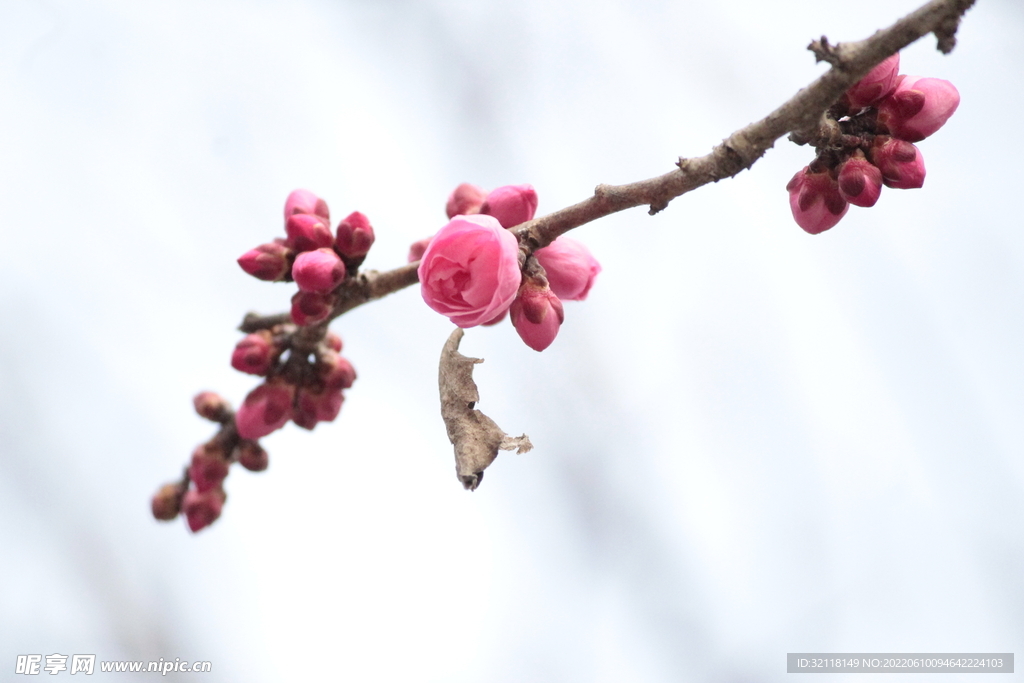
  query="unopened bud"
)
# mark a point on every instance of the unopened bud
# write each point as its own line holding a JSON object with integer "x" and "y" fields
{"x": 308, "y": 232}
{"x": 918, "y": 107}
{"x": 464, "y": 200}
{"x": 316, "y": 406}
{"x": 333, "y": 341}
{"x": 202, "y": 509}
{"x": 570, "y": 267}
{"x": 212, "y": 406}
{"x": 511, "y": 204}
{"x": 336, "y": 372}
{"x": 815, "y": 200}
{"x": 879, "y": 82}
{"x": 251, "y": 456}
{"x": 309, "y": 308}
{"x": 318, "y": 271}
{"x": 166, "y": 503}
{"x": 304, "y": 201}
{"x": 209, "y": 467}
{"x": 417, "y": 248}
{"x": 267, "y": 408}
{"x": 255, "y": 353}
{"x": 355, "y": 237}
{"x": 267, "y": 262}
{"x": 900, "y": 162}
{"x": 860, "y": 181}
{"x": 536, "y": 314}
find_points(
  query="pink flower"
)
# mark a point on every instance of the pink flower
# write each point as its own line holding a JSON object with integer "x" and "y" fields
{"x": 417, "y": 248}
{"x": 336, "y": 372}
{"x": 918, "y": 107}
{"x": 319, "y": 270}
{"x": 537, "y": 314}
{"x": 570, "y": 267}
{"x": 251, "y": 456}
{"x": 464, "y": 200}
{"x": 470, "y": 271}
{"x": 900, "y": 162}
{"x": 267, "y": 408}
{"x": 309, "y": 308}
{"x": 511, "y": 204}
{"x": 208, "y": 468}
{"x": 815, "y": 201}
{"x": 355, "y": 236}
{"x": 254, "y": 353}
{"x": 860, "y": 181}
{"x": 202, "y": 509}
{"x": 266, "y": 262}
{"x": 304, "y": 201}
{"x": 316, "y": 406}
{"x": 879, "y": 82}
{"x": 307, "y": 232}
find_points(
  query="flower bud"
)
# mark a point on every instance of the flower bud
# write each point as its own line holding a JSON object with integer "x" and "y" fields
{"x": 464, "y": 200}
{"x": 304, "y": 201}
{"x": 333, "y": 341}
{"x": 307, "y": 232}
{"x": 879, "y": 82}
{"x": 416, "y": 249}
{"x": 266, "y": 262}
{"x": 316, "y": 406}
{"x": 212, "y": 406}
{"x": 900, "y": 162}
{"x": 255, "y": 353}
{"x": 267, "y": 408}
{"x": 536, "y": 314}
{"x": 166, "y": 503}
{"x": 202, "y": 509}
{"x": 318, "y": 271}
{"x": 309, "y": 308}
{"x": 815, "y": 200}
{"x": 355, "y": 236}
{"x": 336, "y": 372}
{"x": 251, "y": 456}
{"x": 860, "y": 181}
{"x": 209, "y": 467}
{"x": 570, "y": 267}
{"x": 918, "y": 107}
{"x": 511, "y": 204}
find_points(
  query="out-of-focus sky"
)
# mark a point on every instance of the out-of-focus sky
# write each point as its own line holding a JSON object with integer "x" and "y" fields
{"x": 749, "y": 441}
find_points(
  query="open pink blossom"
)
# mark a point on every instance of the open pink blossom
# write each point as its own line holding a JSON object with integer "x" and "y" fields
{"x": 879, "y": 82}
{"x": 511, "y": 204}
{"x": 470, "y": 271}
{"x": 304, "y": 201}
{"x": 202, "y": 508}
{"x": 571, "y": 268}
{"x": 319, "y": 270}
{"x": 918, "y": 107}
{"x": 464, "y": 200}
{"x": 537, "y": 314}
{"x": 900, "y": 162}
{"x": 860, "y": 181}
{"x": 267, "y": 408}
{"x": 815, "y": 200}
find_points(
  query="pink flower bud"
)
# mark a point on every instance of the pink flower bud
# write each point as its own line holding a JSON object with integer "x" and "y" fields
{"x": 571, "y": 268}
{"x": 304, "y": 201}
{"x": 307, "y": 232}
{"x": 879, "y": 82}
{"x": 309, "y": 308}
{"x": 537, "y": 314}
{"x": 208, "y": 468}
{"x": 318, "y": 271}
{"x": 355, "y": 236}
{"x": 266, "y": 262}
{"x": 211, "y": 406}
{"x": 918, "y": 107}
{"x": 470, "y": 271}
{"x": 416, "y": 249}
{"x": 255, "y": 353}
{"x": 511, "y": 204}
{"x": 815, "y": 201}
{"x": 267, "y": 408}
{"x": 333, "y": 341}
{"x": 166, "y": 503}
{"x": 464, "y": 200}
{"x": 251, "y": 456}
{"x": 860, "y": 181}
{"x": 900, "y": 162}
{"x": 316, "y": 406}
{"x": 336, "y": 372}
{"x": 202, "y": 509}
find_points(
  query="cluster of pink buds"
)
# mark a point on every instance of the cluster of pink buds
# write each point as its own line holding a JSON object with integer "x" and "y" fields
{"x": 876, "y": 122}
{"x": 305, "y": 374}
{"x": 470, "y": 271}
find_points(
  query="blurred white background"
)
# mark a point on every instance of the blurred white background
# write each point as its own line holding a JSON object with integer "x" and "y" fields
{"x": 749, "y": 441}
